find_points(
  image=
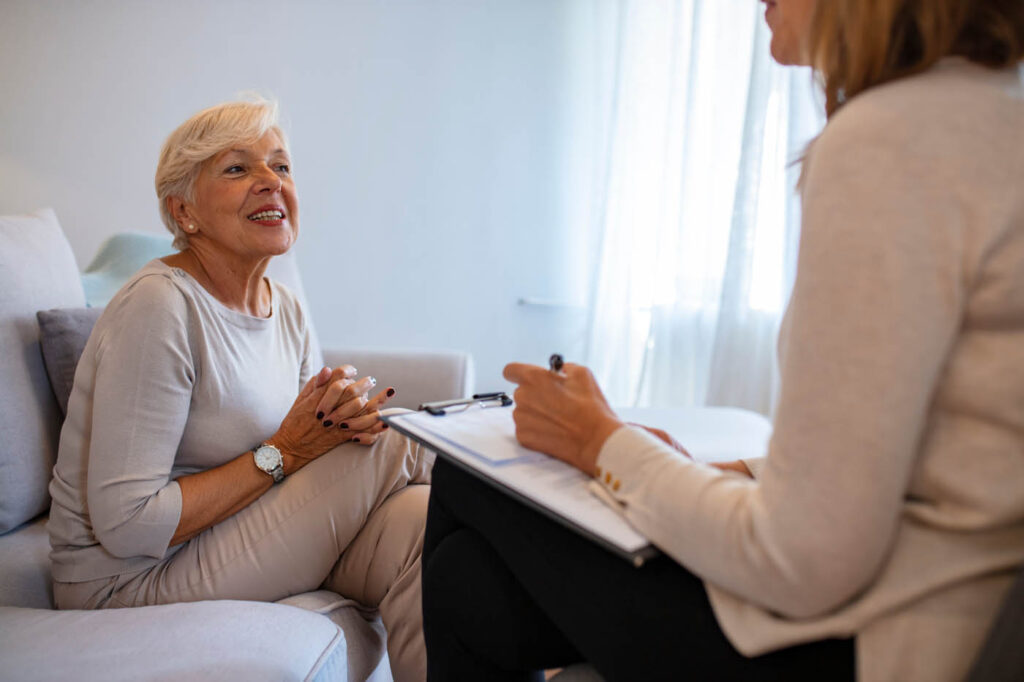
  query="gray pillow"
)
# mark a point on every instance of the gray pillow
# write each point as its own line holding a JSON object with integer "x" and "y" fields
{"x": 37, "y": 272}
{"x": 63, "y": 333}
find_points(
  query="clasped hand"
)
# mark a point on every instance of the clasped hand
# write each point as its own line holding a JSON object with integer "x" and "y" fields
{"x": 333, "y": 408}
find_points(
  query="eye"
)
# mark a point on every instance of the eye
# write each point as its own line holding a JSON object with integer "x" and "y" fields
{"x": 284, "y": 168}
{"x": 233, "y": 169}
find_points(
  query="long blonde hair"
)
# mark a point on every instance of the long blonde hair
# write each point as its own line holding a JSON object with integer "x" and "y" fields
{"x": 858, "y": 44}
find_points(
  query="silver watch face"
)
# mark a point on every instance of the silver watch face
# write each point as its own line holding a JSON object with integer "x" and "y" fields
{"x": 268, "y": 458}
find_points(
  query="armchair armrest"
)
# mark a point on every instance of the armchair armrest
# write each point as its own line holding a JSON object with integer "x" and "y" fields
{"x": 418, "y": 376}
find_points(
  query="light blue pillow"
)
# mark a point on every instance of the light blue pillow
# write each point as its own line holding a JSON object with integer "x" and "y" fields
{"x": 120, "y": 257}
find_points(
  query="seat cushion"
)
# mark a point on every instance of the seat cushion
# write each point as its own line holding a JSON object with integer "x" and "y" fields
{"x": 25, "y": 566}
{"x": 365, "y": 636}
{"x": 209, "y": 640}
{"x": 37, "y": 272}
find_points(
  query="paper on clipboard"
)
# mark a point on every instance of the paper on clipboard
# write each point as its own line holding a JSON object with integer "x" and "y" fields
{"x": 482, "y": 440}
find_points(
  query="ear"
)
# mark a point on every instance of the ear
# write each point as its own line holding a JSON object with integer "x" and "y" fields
{"x": 182, "y": 214}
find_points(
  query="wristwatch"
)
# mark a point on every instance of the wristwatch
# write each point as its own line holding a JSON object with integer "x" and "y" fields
{"x": 268, "y": 459}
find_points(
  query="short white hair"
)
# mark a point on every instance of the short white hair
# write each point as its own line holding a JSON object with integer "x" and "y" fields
{"x": 202, "y": 137}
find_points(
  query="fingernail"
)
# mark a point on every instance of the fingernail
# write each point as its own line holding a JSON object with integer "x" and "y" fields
{"x": 328, "y": 423}
{"x": 391, "y": 392}
{"x": 356, "y": 440}
{"x": 373, "y": 381}
{"x": 343, "y": 425}
{"x": 385, "y": 427}
{"x": 320, "y": 415}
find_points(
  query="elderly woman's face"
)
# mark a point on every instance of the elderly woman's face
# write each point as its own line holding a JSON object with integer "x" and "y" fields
{"x": 245, "y": 199}
{"x": 790, "y": 22}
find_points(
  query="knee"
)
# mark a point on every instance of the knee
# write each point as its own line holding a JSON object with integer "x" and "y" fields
{"x": 464, "y": 585}
{"x": 448, "y": 572}
{"x": 406, "y": 516}
{"x": 408, "y": 459}
{"x": 387, "y": 553}
{"x": 403, "y": 517}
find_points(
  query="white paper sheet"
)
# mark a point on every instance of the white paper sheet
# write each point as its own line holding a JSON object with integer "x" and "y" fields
{"x": 484, "y": 439}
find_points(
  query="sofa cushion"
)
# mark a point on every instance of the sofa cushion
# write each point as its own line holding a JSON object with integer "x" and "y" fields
{"x": 25, "y": 566}
{"x": 37, "y": 271}
{"x": 62, "y": 334}
{"x": 208, "y": 640}
{"x": 364, "y": 632}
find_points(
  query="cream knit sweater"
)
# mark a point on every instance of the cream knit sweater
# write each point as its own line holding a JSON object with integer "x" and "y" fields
{"x": 891, "y": 503}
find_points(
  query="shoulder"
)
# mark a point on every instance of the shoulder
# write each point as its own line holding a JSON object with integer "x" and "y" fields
{"x": 952, "y": 109}
{"x": 152, "y": 310}
{"x": 154, "y": 299}
{"x": 288, "y": 307}
{"x": 155, "y": 289}
{"x": 286, "y": 297}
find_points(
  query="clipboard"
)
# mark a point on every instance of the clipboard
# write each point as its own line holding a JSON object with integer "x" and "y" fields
{"x": 478, "y": 436}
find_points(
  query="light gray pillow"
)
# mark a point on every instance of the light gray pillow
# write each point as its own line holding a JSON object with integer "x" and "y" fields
{"x": 37, "y": 272}
{"x": 63, "y": 333}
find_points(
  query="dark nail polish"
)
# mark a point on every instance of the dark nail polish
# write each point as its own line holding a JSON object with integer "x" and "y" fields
{"x": 356, "y": 440}
{"x": 319, "y": 415}
{"x": 385, "y": 427}
{"x": 342, "y": 425}
{"x": 391, "y": 392}
{"x": 328, "y": 423}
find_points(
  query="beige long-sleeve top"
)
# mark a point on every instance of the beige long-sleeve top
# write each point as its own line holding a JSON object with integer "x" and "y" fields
{"x": 891, "y": 503}
{"x": 171, "y": 382}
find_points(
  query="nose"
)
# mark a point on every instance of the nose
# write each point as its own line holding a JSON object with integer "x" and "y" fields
{"x": 267, "y": 181}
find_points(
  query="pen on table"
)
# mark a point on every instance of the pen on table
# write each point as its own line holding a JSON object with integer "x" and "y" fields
{"x": 555, "y": 362}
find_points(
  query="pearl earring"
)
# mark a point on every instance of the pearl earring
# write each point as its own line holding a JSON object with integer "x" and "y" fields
{"x": 190, "y": 228}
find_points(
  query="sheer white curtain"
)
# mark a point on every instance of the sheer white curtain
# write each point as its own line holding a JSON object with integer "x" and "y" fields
{"x": 698, "y": 214}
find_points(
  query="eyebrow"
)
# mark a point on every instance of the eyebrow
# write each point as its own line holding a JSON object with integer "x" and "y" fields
{"x": 279, "y": 150}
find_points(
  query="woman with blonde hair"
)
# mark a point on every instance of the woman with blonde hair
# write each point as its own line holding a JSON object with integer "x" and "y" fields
{"x": 206, "y": 455}
{"x": 877, "y": 538}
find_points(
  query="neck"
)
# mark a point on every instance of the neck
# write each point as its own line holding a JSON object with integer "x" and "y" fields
{"x": 235, "y": 282}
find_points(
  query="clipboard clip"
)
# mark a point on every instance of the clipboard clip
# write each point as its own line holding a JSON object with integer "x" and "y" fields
{"x": 442, "y": 407}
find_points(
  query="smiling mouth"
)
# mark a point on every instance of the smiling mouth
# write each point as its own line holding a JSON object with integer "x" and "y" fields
{"x": 272, "y": 214}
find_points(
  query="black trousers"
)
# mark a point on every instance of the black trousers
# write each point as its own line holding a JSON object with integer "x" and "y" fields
{"x": 508, "y": 593}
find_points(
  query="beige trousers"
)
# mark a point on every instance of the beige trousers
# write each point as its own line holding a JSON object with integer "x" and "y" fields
{"x": 351, "y": 521}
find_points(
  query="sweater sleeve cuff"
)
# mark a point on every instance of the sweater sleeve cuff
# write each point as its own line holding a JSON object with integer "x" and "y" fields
{"x": 169, "y": 518}
{"x": 624, "y": 454}
{"x": 151, "y": 531}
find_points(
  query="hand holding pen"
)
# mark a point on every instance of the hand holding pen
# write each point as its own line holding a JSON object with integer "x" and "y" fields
{"x": 561, "y": 411}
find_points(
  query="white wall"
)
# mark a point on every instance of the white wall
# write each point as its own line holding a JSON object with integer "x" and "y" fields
{"x": 442, "y": 149}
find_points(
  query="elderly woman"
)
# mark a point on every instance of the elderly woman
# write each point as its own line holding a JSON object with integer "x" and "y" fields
{"x": 887, "y": 521}
{"x": 205, "y": 455}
